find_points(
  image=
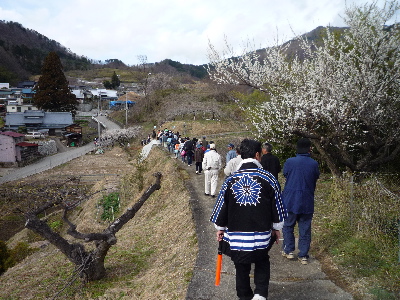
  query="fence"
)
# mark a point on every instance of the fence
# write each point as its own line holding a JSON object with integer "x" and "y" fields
{"x": 374, "y": 200}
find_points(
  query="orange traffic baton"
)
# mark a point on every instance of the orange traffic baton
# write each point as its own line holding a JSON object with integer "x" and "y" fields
{"x": 218, "y": 268}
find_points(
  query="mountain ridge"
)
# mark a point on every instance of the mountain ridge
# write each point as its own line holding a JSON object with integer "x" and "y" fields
{"x": 22, "y": 52}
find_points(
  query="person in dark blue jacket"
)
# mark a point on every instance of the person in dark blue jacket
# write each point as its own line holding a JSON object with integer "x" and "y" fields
{"x": 301, "y": 173}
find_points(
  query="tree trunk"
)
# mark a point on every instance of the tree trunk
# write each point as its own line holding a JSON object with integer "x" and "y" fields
{"x": 90, "y": 265}
{"x": 329, "y": 161}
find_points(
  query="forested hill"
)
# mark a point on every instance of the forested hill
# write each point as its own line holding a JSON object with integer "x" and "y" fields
{"x": 23, "y": 50}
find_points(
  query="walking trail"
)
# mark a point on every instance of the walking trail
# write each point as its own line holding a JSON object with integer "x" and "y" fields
{"x": 289, "y": 278}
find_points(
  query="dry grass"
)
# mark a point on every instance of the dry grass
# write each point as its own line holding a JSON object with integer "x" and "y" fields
{"x": 203, "y": 127}
{"x": 153, "y": 258}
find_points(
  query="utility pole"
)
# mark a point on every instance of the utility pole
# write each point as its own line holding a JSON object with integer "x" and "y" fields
{"x": 98, "y": 121}
{"x": 126, "y": 109}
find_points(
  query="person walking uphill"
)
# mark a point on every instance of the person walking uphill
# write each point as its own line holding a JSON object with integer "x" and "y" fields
{"x": 269, "y": 161}
{"x": 231, "y": 153}
{"x": 198, "y": 158}
{"x": 189, "y": 150}
{"x": 301, "y": 173}
{"x": 248, "y": 215}
{"x": 211, "y": 166}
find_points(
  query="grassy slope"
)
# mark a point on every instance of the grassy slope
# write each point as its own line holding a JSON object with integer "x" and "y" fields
{"x": 154, "y": 256}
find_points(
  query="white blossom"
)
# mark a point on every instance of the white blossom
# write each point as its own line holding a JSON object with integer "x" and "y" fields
{"x": 343, "y": 93}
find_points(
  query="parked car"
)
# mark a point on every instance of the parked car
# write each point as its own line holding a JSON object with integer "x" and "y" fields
{"x": 35, "y": 135}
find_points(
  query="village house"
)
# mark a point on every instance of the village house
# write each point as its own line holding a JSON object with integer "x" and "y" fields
{"x": 36, "y": 120}
{"x": 14, "y": 151}
{"x": 16, "y": 99}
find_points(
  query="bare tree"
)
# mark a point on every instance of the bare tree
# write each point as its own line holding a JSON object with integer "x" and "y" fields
{"x": 142, "y": 62}
{"x": 90, "y": 264}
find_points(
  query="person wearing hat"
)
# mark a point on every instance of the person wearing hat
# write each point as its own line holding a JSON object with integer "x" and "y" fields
{"x": 231, "y": 153}
{"x": 301, "y": 173}
{"x": 211, "y": 165}
{"x": 198, "y": 158}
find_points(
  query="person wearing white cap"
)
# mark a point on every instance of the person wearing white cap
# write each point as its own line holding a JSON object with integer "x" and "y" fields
{"x": 211, "y": 165}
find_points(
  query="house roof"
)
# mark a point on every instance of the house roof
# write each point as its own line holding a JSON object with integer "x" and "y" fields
{"x": 28, "y": 91}
{"x": 6, "y": 93}
{"x": 39, "y": 119}
{"x": 26, "y": 144}
{"x": 12, "y": 133}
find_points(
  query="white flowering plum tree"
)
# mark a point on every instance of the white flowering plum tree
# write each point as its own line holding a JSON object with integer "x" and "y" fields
{"x": 119, "y": 136}
{"x": 342, "y": 92}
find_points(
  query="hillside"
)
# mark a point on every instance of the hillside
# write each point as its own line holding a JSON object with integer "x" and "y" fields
{"x": 152, "y": 257}
{"x": 23, "y": 50}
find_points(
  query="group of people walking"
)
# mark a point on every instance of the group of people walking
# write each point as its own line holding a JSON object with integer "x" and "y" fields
{"x": 251, "y": 211}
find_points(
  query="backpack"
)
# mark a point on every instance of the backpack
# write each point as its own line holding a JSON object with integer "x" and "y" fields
{"x": 188, "y": 146}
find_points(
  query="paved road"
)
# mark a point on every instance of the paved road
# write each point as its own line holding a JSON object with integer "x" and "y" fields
{"x": 289, "y": 279}
{"x": 50, "y": 162}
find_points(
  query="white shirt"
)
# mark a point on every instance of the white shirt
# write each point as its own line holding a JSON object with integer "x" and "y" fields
{"x": 212, "y": 159}
{"x": 232, "y": 165}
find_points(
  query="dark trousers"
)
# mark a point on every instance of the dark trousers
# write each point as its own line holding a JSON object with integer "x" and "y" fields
{"x": 304, "y": 223}
{"x": 261, "y": 279}
{"x": 199, "y": 166}
{"x": 189, "y": 159}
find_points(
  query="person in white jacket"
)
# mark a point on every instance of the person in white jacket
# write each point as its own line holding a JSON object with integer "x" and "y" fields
{"x": 232, "y": 166}
{"x": 211, "y": 165}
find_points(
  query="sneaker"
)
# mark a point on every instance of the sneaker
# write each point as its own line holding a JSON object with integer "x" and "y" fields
{"x": 213, "y": 196}
{"x": 288, "y": 255}
{"x": 206, "y": 194}
{"x": 258, "y": 297}
{"x": 197, "y": 172}
{"x": 303, "y": 260}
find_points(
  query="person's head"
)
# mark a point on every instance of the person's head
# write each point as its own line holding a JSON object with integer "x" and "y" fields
{"x": 212, "y": 146}
{"x": 303, "y": 146}
{"x": 250, "y": 149}
{"x": 267, "y": 148}
{"x": 231, "y": 146}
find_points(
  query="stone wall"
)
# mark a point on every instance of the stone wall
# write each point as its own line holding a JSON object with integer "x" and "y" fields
{"x": 47, "y": 147}
{"x": 85, "y": 107}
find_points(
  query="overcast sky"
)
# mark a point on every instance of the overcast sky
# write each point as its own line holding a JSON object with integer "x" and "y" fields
{"x": 174, "y": 29}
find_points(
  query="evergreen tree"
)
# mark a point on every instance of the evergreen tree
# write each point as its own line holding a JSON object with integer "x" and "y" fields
{"x": 115, "y": 82}
{"x": 107, "y": 84}
{"x": 52, "y": 91}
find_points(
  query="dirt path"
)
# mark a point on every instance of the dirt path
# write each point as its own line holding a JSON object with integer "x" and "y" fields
{"x": 289, "y": 279}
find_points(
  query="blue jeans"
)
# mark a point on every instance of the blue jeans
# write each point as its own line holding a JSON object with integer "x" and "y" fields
{"x": 304, "y": 223}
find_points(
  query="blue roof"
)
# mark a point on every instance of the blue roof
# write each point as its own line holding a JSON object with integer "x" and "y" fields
{"x": 39, "y": 119}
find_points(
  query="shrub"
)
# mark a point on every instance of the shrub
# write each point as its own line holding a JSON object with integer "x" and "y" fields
{"x": 4, "y": 255}
{"x": 9, "y": 258}
{"x": 110, "y": 204}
